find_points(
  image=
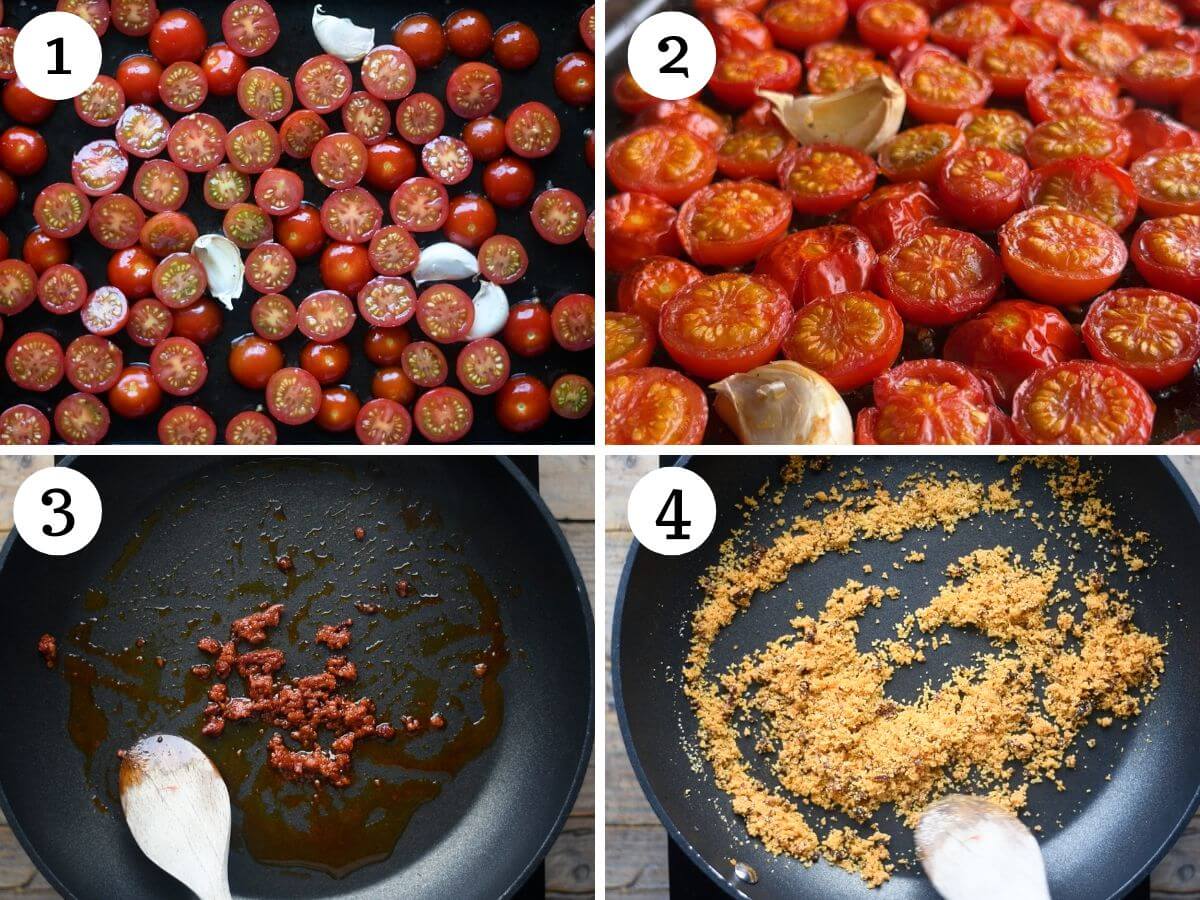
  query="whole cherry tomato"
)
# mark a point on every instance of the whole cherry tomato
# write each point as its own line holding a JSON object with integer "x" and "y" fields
{"x": 528, "y": 331}
{"x": 522, "y": 404}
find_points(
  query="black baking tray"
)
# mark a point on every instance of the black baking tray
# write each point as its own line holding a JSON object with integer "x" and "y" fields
{"x": 553, "y": 271}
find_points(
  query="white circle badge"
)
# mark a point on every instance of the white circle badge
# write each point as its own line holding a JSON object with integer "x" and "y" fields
{"x": 57, "y": 55}
{"x": 672, "y": 55}
{"x": 57, "y": 511}
{"x": 671, "y": 511}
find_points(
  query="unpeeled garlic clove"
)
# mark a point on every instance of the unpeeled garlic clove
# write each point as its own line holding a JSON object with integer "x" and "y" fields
{"x": 223, "y": 267}
{"x": 865, "y": 116}
{"x": 446, "y": 261}
{"x": 491, "y": 311}
{"x": 340, "y": 37}
{"x": 783, "y": 402}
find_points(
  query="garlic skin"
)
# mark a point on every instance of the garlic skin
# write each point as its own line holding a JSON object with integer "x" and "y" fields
{"x": 445, "y": 262}
{"x": 865, "y": 116}
{"x": 341, "y": 37}
{"x": 783, "y": 402}
{"x": 491, "y": 311}
{"x": 223, "y": 266}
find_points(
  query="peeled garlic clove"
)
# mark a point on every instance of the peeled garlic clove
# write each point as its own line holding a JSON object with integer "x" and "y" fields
{"x": 491, "y": 311}
{"x": 222, "y": 262}
{"x": 865, "y": 116}
{"x": 783, "y": 403}
{"x": 445, "y": 262}
{"x": 341, "y": 37}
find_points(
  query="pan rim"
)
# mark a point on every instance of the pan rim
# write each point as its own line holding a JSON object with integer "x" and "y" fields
{"x": 581, "y": 594}
{"x": 674, "y": 831}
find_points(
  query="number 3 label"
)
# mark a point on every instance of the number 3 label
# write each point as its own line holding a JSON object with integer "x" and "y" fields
{"x": 671, "y": 511}
{"x": 57, "y": 55}
{"x": 57, "y": 511}
{"x": 672, "y": 55}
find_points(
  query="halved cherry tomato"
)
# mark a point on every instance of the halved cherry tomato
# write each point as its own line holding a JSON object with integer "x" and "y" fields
{"x": 572, "y": 396}
{"x": 447, "y": 159}
{"x": 81, "y": 419}
{"x": 136, "y": 394}
{"x": 1009, "y": 341}
{"x": 731, "y": 222}
{"x": 420, "y": 118}
{"x": 653, "y": 406}
{"x": 246, "y": 225}
{"x": 183, "y": 86}
{"x": 940, "y": 88}
{"x": 826, "y": 178}
{"x": 473, "y": 90}
{"x": 981, "y": 186}
{"x": 502, "y": 259}
{"x": 62, "y": 289}
{"x": 1048, "y": 19}
{"x": 263, "y": 93}
{"x": 222, "y": 68}
{"x": 1079, "y": 135}
{"x": 629, "y": 342}
{"x": 351, "y": 216}
{"x": 962, "y": 28}
{"x": 424, "y": 364}
{"x": 893, "y": 213}
{"x": 1094, "y": 187}
{"x": 1149, "y": 334}
{"x": 522, "y": 404}
{"x": 197, "y": 142}
{"x": 328, "y": 363}
{"x": 1101, "y": 48}
{"x": 641, "y": 225}
{"x": 1011, "y": 61}
{"x": 24, "y": 425}
{"x": 142, "y": 131}
{"x": 558, "y": 215}
{"x": 293, "y": 396}
{"x": 323, "y": 83}
{"x": 931, "y": 401}
{"x": 366, "y": 117}
{"x": 325, "y": 316}
{"x": 651, "y": 283}
{"x": 387, "y": 302}
{"x": 483, "y": 366}
{"x": 105, "y": 312}
{"x": 102, "y": 103}
{"x": 18, "y": 285}
{"x": 160, "y": 186}
{"x": 420, "y": 204}
{"x": 34, "y": 362}
{"x": 279, "y": 192}
{"x": 532, "y": 130}
{"x": 1151, "y": 20}
{"x": 668, "y": 162}
{"x": 388, "y": 72}
{"x": 149, "y": 322}
{"x": 508, "y": 182}
{"x": 393, "y": 251}
{"x": 734, "y": 30}
{"x": 383, "y": 421}
{"x": 445, "y": 313}
{"x": 300, "y": 133}
{"x": 1161, "y": 75}
{"x": 1063, "y": 93}
{"x": 737, "y": 77}
{"x": 1166, "y": 253}
{"x": 1060, "y": 257}
{"x": 917, "y": 154}
{"x": 225, "y": 186}
{"x": 628, "y": 95}
{"x": 250, "y": 428}
{"x": 797, "y": 24}
{"x": 752, "y": 152}
{"x": 253, "y": 147}
{"x": 250, "y": 26}
{"x": 691, "y": 115}
{"x": 842, "y": 74}
{"x": 1002, "y": 129}
{"x": 273, "y": 317}
{"x": 886, "y": 24}
{"x": 116, "y": 221}
{"x": 1150, "y": 129}
{"x": 1168, "y": 181}
{"x": 178, "y": 366}
{"x": 587, "y": 27}
{"x": 187, "y": 426}
{"x": 724, "y": 324}
{"x": 443, "y": 415}
{"x": 939, "y": 276}
{"x": 849, "y": 338}
{"x": 573, "y": 322}
{"x": 1082, "y": 402}
{"x": 270, "y": 268}
{"x": 61, "y": 210}
{"x": 817, "y": 262}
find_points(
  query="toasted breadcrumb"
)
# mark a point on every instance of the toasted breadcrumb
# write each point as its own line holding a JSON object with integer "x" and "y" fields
{"x": 817, "y": 706}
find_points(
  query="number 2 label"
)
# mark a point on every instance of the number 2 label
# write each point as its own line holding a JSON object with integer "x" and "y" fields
{"x": 672, "y": 55}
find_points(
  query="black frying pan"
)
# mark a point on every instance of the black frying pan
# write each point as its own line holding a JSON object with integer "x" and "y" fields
{"x": 1100, "y": 838}
{"x": 200, "y": 555}
{"x": 553, "y": 271}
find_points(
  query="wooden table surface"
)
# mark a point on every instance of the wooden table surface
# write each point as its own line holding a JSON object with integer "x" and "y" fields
{"x": 635, "y": 842}
{"x": 567, "y": 486}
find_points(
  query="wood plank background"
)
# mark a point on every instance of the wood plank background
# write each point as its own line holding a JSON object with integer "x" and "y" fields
{"x": 567, "y": 485}
{"x": 635, "y": 842}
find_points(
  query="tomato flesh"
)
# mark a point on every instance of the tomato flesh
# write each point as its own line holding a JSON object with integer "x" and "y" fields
{"x": 1082, "y": 402}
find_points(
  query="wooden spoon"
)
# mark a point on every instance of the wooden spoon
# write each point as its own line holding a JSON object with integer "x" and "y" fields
{"x": 974, "y": 850}
{"x": 177, "y": 807}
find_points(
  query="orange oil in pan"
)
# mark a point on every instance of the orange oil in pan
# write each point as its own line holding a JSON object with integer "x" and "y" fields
{"x": 416, "y": 656}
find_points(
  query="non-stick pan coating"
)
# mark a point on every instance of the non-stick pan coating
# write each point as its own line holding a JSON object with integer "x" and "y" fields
{"x": 1115, "y": 831}
{"x": 492, "y": 822}
{"x": 553, "y": 271}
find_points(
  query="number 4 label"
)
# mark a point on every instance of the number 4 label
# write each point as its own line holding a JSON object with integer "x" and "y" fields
{"x": 57, "y": 511}
{"x": 671, "y": 511}
{"x": 672, "y": 55}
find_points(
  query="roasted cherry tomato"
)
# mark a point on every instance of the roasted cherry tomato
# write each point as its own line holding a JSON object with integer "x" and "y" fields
{"x": 849, "y": 338}
{"x": 651, "y": 283}
{"x": 1082, "y": 402}
{"x": 1094, "y": 187}
{"x": 917, "y": 154}
{"x": 670, "y": 163}
{"x": 826, "y": 178}
{"x": 939, "y": 276}
{"x": 817, "y": 262}
{"x": 1167, "y": 254}
{"x": 736, "y": 78}
{"x": 731, "y": 222}
{"x": 629, "y": 342}
{"x": 893, "y": 213}
{"x": 1168, "y": 181}
{"x": 931, "y": 401}
{"x": 981, "y": 187}
{"x": 940, "y": 88}
{"x": 1060, "y": 257}
{"x": 1150, "y": 334}
{"x": 653, "y": 406}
